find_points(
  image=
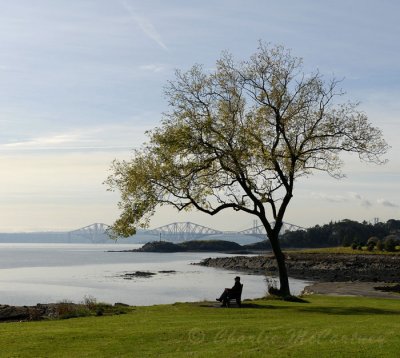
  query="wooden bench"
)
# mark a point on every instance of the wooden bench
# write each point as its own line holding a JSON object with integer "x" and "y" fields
{"x": 235, "y": 298}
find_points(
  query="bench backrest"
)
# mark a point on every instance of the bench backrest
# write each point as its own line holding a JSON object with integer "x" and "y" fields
{"x": 237, "y": 294}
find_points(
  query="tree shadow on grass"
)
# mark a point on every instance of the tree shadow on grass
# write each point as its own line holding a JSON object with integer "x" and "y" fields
{"x": 333, "y": 310}
{"x": 258, "y": 306}
{"x": 245, "y": 305}
{"x": 348, "y": 310}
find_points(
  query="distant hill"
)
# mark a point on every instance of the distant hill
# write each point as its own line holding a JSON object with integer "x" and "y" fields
{"x": 53, "y": 238}
{"x": 34, "y": 237}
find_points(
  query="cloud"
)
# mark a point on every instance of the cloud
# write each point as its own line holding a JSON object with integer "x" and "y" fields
{"x": 363, "y": 201}
{"x": 353, "y": 196}
{"x": 54, "y": 140}
{"x": 145, "y": 25}
{"x": 152, "y": 68}
{"x": 387, "y": 203}
{"x": 343, "y": 198}
{"x": 330, "y": 198}
{"x": 110, "y": 137}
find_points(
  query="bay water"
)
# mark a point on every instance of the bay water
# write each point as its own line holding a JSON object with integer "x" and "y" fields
{"x": 48, "y": 273}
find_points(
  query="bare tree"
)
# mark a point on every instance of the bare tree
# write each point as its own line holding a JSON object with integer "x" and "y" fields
{"x": 238, "y": 138}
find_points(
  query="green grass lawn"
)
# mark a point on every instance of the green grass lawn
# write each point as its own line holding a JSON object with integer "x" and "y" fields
{"x": 323, "y": 327}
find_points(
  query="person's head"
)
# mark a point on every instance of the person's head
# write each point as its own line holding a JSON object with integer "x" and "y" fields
{"x": 237, "y": 279}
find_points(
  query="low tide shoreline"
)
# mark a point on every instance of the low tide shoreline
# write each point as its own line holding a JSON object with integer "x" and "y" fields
{"x": 320, "y": 267}
{"x": 333, "y": 274}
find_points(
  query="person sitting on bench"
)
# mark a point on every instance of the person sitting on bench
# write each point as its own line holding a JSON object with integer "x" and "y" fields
{"x": 231, "y": 292}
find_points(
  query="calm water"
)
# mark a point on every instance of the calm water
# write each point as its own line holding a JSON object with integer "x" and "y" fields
{"x": 43, "y": 273}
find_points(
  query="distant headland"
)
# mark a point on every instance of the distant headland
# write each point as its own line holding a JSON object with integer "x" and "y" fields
{"x": 196, "y": 246}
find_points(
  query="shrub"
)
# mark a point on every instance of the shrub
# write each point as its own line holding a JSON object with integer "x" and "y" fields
{"x": 370, "y": 246}
{"x": 88, "y": 307}
{"x": 372, "y": 240}
{"x": 90, "y": 302}
{"x": 390, "y": 245}
{"x": 67, "y": 309}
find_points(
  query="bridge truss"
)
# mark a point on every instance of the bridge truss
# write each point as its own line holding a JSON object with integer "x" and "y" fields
{"x": 95, "y": 233}
{"x": 178, "y": 231}
{"x": 259, "y": 230}
{"x": 182, "y": 231}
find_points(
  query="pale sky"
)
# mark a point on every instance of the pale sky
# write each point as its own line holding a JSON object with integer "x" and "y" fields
{"x": 82, "y": 80}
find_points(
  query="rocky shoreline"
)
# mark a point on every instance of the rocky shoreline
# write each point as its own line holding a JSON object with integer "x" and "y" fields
{"x": 61, "y": 310}
{"x": 317, "y": 266}
{"x": 343, "y": 269}
{"x": 31, "y": 313}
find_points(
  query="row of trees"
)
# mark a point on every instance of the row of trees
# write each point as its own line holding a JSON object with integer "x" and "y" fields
{"x": 343, "y": 233}
{"x": 389, "y": 243}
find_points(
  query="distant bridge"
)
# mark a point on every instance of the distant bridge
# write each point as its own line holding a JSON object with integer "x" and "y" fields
{"x": 178, "y": 231}
{"x": 184, "y": 231}
{"x": 259, "y": 230}
{"x": 95, "y": 233}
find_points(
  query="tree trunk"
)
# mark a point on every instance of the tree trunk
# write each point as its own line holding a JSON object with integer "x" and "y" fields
{"x": 284, "y": 289}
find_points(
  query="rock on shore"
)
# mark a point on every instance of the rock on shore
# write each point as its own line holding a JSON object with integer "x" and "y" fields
{"x": 61, "y": 310}
{"x": 316, "y": 266}
{"x": 28, "y": 313}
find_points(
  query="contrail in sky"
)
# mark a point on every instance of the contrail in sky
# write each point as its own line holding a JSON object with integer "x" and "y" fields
{"x": 145, "y": 25}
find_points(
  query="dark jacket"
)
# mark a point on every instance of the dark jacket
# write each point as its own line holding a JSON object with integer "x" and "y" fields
{"x": 237, "y": 287}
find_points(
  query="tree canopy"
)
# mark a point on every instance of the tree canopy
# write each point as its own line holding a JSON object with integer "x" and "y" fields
{"x": 238, "y": 137}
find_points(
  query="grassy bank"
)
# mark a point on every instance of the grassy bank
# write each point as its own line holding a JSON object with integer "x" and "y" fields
{"x": 324, "y": 327}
